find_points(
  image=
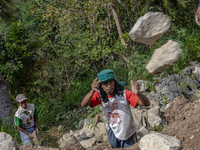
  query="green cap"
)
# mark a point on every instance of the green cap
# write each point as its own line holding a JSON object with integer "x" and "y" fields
{"x": 108, "y": 74}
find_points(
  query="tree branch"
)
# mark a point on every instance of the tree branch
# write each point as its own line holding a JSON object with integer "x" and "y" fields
{"x": 8, "y": 75}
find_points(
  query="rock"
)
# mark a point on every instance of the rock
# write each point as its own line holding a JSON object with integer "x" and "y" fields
{"x": 154, "y": 102}
{"x": 101, "y": 131}
{"x": 59, "y": 127}
{"x": 71, "y": 144}
{"x": 196, "y": 73}
{"x": 153, "y": 120}
{"x": 97, "y": 119}
{"x": 137, "y": 117}
{"x": 81, "y": 124}
{"x": 142, "y": 132}
{"x": 173, "y": 86}
{"x": 163, "y": 57}
{"x": 149, "y": 96}
{"x": 150, "y": 27}
{"x": 143, "y": 85}
{"x": 37, "y": 140}
{"x": 7, "y": 142}
{"x": 155, "y": 110}
{"x": 186, "y": 71}
{"x": 84, "y": 137}
{"x": 89, "y": 131}
{"x": 88, "y": 143}
{"x": 138, "y": 125}
{"x": 190, "y": 83}
{"x": 191, "y": 93}
{"x": 157, "y": 141}
{"x": 157, "y": 80}
{"x": 77, "y": 133}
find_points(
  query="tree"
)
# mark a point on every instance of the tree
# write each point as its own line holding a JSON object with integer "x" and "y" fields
{"x": 6, "y": 107}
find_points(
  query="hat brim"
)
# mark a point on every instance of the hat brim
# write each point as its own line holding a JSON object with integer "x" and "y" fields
{"x": 21, "y": 100}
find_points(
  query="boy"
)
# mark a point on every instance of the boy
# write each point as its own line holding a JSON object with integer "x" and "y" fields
{"x": 116, "y": 103}
{"x": 26, "y": 119}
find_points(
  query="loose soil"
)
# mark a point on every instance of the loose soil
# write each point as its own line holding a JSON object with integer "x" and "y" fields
{"x": 184, "y": 122}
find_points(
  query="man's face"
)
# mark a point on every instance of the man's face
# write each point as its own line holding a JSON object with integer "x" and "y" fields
{"x": 108, "y": 87}
{"x": 23, "y": 104}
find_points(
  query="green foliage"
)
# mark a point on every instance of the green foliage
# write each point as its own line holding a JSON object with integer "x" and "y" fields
{"x": 93, "y": 111}
{"x": 157, "y": 128}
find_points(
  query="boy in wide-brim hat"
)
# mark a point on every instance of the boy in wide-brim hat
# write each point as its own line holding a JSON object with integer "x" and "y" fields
{"x": 116, "y": 103}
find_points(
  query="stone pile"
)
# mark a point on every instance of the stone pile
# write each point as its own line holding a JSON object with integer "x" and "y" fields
{"x": 168, "y": 87}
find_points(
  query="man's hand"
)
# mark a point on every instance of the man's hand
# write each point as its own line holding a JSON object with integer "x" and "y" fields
{"x": 38, "y": 131}
{"x": 95, "y": 84}
{"x": 135, "y": 87}
{"x": 197, "y": 16}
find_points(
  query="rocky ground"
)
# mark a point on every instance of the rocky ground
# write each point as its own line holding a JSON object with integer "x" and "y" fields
{"x": 182, "y": 116}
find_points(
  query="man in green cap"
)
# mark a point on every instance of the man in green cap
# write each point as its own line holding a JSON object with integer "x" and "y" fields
{"x": 116, "y": 103}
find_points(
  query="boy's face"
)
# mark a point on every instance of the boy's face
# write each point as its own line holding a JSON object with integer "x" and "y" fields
{"x": 108, "y": 87}
{"x": 23, "y": 104}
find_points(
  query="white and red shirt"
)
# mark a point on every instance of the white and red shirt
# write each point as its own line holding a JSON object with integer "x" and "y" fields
{"x": 117, "y": 111}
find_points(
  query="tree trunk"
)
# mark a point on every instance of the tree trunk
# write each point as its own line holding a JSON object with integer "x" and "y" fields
{"x": 119, "y": 29}
{"x": 6, "y": 107}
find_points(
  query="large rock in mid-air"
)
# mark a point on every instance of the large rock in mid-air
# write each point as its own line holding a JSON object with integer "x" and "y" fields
{"x": 163, "y": 57}
{"x": 150, "y": 27}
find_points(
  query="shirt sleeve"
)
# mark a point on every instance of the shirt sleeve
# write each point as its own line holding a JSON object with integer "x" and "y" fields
{"x": 199, "y": 3}
{"x": 132, "y": 98}
{"x": 18, "y": 121}
{"x": 35, "y": 112}
{"x": 95, "y": 100}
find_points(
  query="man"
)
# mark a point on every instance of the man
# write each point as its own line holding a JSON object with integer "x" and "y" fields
{"x": 197, "y": 15}
{"x": 116, "y": 106}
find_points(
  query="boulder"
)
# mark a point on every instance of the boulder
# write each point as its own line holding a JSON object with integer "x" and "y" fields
{"x": 163, "y": 57}
{"x": 150, "y": 27}
{"x": 143, "y": 85}
{"x": 153, "y": 120}
{"x": 155, "y": 110}
{"x": 157, "y": 141}
{"x": 71, "y": 143}
{"x": 142, "y": 132}
{"x": 7, "y": 142}
{"x": 101, "y": 131}
{"x": 196, "y": 73}
{"x": 88, "y": 143}
{"x": 137, "y": 117}
{"x": 154, "y": 102}
{"x": 89, "y": 131}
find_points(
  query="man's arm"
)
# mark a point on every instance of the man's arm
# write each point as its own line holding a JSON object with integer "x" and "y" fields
{"x": 197, "y": 15}
{"x": 87, "y": 98}
{"x": 143, "y": 100}
{"x": 24, "y": 131}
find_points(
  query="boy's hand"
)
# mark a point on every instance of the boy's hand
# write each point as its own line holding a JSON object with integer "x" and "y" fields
{"x": 31, "y": 137}
{"x": 37, "y": 130}
{"x": 135, "y": 87}
{"x": 95, "y": 84}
